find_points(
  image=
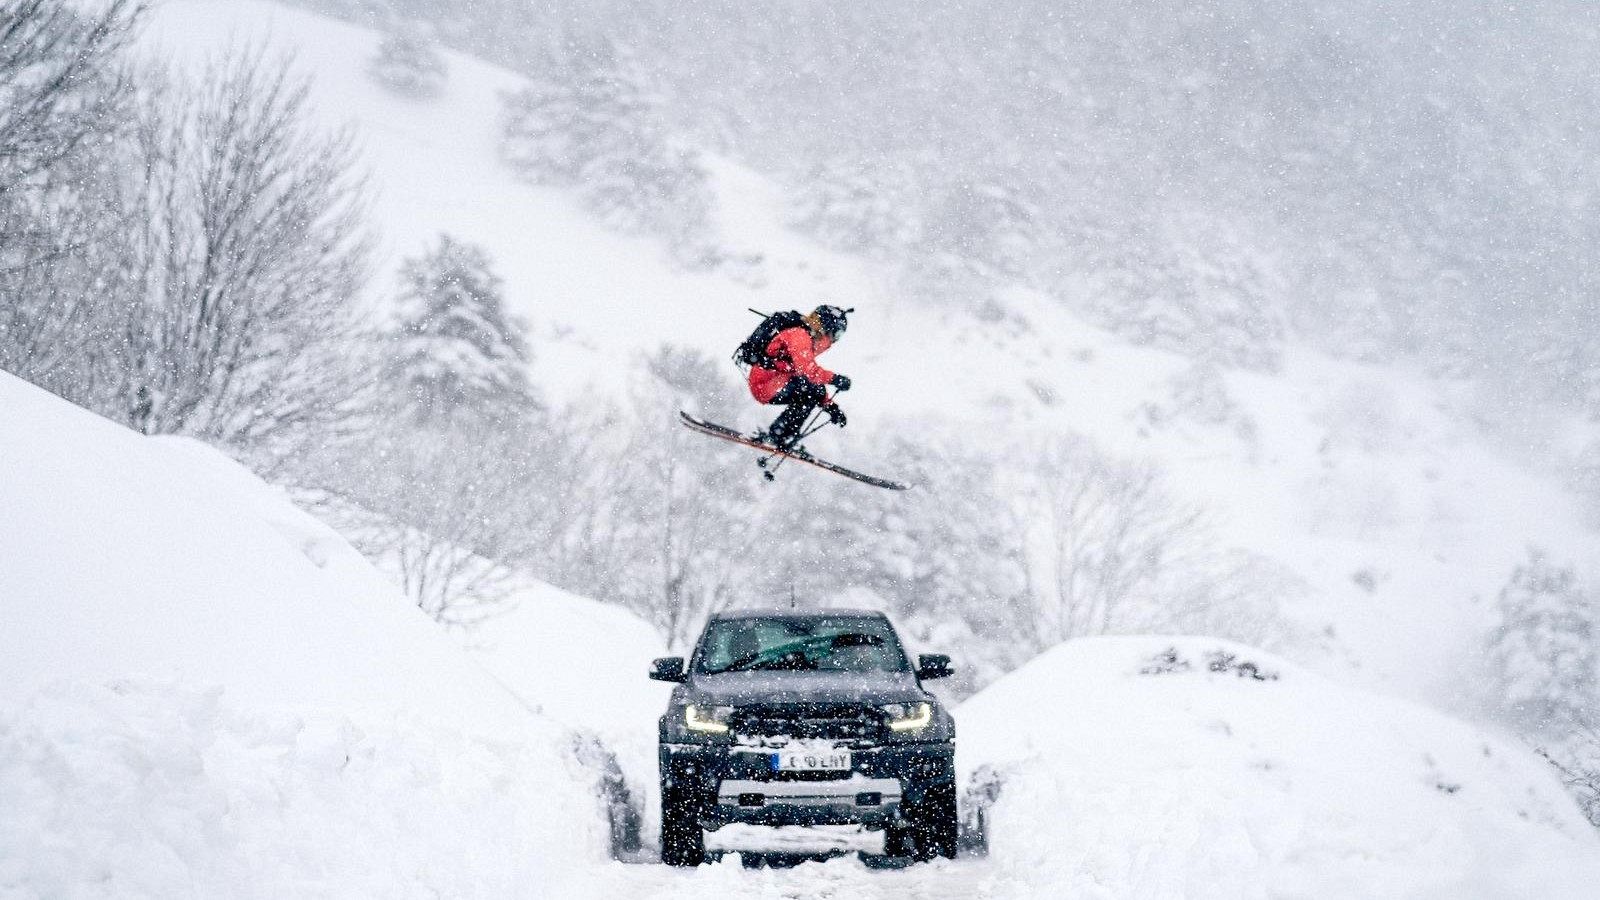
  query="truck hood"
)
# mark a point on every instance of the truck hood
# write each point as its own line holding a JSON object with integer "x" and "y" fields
{"x": 739, "y": 688}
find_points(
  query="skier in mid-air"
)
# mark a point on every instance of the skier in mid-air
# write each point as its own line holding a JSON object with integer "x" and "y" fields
{"x": 782, "y": 357}
{"x": 785, "y": 372}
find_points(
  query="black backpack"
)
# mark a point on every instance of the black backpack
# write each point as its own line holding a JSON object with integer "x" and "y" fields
{"x": 753, "y": 352}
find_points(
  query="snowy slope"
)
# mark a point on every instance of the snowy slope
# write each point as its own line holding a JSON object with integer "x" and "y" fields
{"x": 203, "y": 691}
{"x": 129, "y": 555}
{"x": 1119, "y": 781}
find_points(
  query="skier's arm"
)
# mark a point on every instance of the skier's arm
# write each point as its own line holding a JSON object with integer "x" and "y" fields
{"x": 797, "y": 343}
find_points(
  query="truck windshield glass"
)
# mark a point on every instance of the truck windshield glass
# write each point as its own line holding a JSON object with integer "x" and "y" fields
{"x": 842, "y": 644}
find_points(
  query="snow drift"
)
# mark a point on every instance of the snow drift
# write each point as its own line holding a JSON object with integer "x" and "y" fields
{"x": 203, "y": 691}
{"x": 1190, "y": 767}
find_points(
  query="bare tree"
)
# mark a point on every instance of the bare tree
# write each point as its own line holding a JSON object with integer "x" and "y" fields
{"x": 63, "y": 93}
{"x": 237, "y": 300}
{"x": 1110, "y": 549}
{"x": 644, "y": 519}
{"x": 453, "y": 502}
{"x": 1577, "y": 760}
{"x": 59, "y": 83}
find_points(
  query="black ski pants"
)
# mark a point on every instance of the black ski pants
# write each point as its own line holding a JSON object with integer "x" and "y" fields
{"x": 800, "y": 397}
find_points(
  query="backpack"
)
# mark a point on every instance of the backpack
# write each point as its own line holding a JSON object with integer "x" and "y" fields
{"x": 753, "y": 352}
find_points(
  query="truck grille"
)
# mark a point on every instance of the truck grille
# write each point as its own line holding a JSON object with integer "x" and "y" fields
{"x": 829, "y": 722}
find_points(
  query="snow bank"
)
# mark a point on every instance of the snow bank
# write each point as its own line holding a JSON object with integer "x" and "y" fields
{"x": 583, "y": 663}
{"x": 206, "y": 692}
{"x": 1128, "y": 772}
{"x": 122, "y": 555}
{"x": 577, "y": 660}
{"x": 154, "y": 790}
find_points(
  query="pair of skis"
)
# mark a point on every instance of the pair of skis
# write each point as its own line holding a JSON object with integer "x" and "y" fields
{"x": 775, "y": 453}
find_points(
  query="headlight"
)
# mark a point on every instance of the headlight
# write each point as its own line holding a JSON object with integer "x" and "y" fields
{"x": 909, "y": 716}
{"x": 708, "y": 719}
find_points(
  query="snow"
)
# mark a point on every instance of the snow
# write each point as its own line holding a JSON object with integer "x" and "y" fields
{"x": 584, "y": 664}
{"x": 130, "y": 555}
{"x": 142, "y": 788}
{"x": 206, "y": 692}
{"x": 1200, "y": 783}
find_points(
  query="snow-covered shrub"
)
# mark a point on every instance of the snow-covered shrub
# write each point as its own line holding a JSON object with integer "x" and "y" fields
{"x": 1545, "y": 648}
{"x": 1171, "y": 662}
{"x": 591, "y": 124}
{"x": 409, "y": 64}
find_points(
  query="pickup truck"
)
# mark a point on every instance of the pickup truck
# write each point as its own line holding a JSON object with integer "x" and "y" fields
{"x": 805, "y": 718}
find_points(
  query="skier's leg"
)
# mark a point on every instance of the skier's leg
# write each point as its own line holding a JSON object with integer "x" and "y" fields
{"x": 800, "y": 398}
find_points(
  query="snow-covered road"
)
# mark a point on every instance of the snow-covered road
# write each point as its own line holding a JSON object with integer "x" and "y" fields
{"x": 844, "y": 878}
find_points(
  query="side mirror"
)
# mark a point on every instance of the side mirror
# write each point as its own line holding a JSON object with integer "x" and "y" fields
{"x": 667, "y": 668}
{"x": 933, "y": 665}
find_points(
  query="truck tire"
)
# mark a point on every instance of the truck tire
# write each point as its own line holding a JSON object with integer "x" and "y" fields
{"x": 933, "y": 823}
{"x": 682, "y": 841}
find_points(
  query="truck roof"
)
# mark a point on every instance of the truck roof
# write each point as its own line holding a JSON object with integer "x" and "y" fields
{"x": 783, "y": 613}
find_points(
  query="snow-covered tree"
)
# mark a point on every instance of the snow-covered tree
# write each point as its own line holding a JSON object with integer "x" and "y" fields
{"x": 1545, "y": 647}
{"x": 408, "y": 63}
{"x": 1186, "y": 282}
{"x": 592, "y": 124}
{"x": 458, "y": 351}
{"x": 857, "y": 208}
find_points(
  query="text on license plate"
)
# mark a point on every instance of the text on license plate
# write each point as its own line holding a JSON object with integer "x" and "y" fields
{"x": 811, "y": 760}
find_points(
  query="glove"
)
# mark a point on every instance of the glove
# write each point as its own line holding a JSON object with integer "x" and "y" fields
{"x": 835, "y": 414}
{"x": 841, "y": 382}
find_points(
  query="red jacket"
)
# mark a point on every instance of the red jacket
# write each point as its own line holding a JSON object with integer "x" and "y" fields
{"x": 795, "y": 352}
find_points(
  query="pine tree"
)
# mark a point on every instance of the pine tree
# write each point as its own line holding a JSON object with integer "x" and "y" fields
{"x": 458, "y": 352}
{"x": 408, "y": 64}
{"x": 559, "y": 127}
{"x": 592, "y": 125}
{"x": 1543, "y": 651}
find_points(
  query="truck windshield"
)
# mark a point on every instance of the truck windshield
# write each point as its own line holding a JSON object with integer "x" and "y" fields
{"x": 842, "y": 644}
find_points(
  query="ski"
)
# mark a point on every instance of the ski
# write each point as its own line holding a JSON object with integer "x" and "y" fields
{"x": 728, "y": 434}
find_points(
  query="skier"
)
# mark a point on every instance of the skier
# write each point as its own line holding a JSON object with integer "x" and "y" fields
{"x": 781, "y": 355}
{"x": 785, "y": 371}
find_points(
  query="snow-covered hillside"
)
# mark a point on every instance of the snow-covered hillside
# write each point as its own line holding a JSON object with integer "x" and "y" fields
{"x": 204, "y": 691}
{"x": 1370, "y": 484}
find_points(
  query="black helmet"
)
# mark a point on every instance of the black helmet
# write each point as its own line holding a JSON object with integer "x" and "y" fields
{"x": 832, "y": 319}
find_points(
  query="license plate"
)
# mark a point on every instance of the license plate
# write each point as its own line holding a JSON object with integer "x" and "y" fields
{"x": 811, "y": 761}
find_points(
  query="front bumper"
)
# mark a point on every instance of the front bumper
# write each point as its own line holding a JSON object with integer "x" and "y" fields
{"x": 736, "y": 784}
